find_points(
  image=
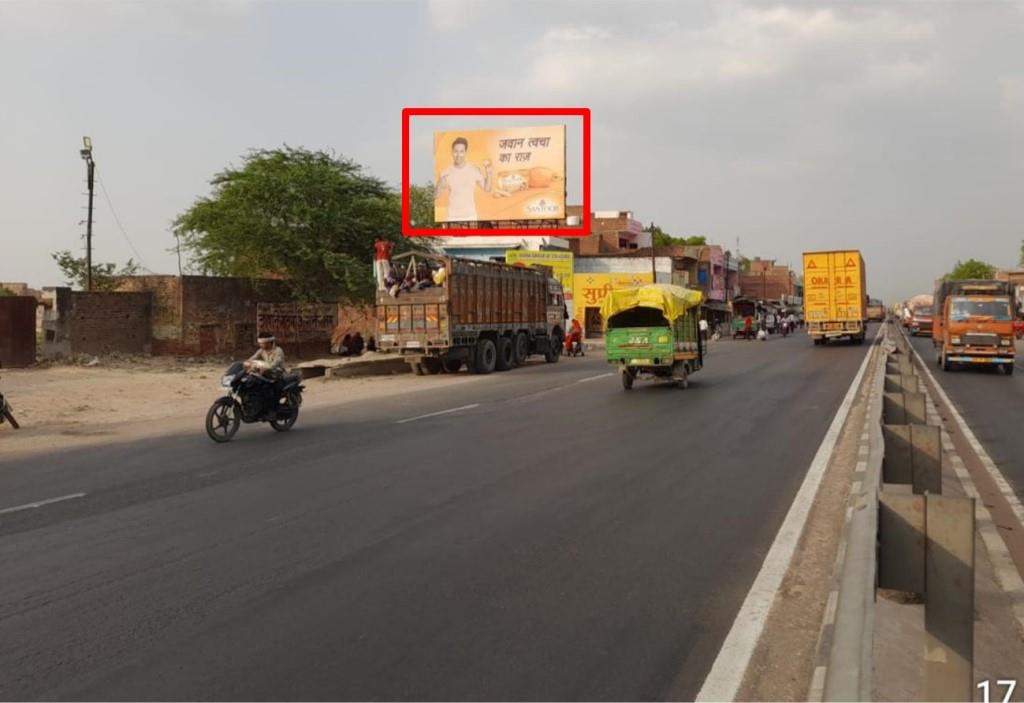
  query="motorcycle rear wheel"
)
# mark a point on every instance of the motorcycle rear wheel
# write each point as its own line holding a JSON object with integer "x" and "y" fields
{"x": 291, "y": 405}
{"x": 222, "y": 420}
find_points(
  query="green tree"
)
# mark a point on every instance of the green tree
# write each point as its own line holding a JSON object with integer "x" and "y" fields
{"x": 104, "y": 275}
{"x": 664, "y": 239}
{"x": 971, "y": 268}
{"x": 744, "y": 264}
{"x": 309, "y": 216}
{"x": 421, "y": 206}
{"x": 5, "y": 292}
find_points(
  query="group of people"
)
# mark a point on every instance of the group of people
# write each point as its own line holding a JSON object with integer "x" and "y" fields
{"x": 354, "y": 345}
{"x": 769, "y": 323}
{"x": 416, "y": 276}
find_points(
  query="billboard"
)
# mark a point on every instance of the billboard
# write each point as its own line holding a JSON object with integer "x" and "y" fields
{"x": 489, "y": 175}
{"x": 559, "y": 261}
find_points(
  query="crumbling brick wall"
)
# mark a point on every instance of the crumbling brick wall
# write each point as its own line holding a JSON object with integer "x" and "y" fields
{"x": 352, "y": 319}
{"x": 100, "y": 323}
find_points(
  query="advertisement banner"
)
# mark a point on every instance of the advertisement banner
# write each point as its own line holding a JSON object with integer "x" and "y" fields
{"x": 559, "y": 261}
{"x": 490, "y": 175}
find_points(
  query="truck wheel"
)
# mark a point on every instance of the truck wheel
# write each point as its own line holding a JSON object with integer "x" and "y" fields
{"x": 555, "y": 349}
{"x": 520, "y": 349}
{"x": 627, "y": 378}
{"x": 486, "y": 356}
{"x": 504, "y": 359}
{"x": 945, "y": 363}
{"x": 1008, "y": 369}
{"x": 451, "y": 365}
{"x": 417, "y": 368}
{"x": 431, "y": 365}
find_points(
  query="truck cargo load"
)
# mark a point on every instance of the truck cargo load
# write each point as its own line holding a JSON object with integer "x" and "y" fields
{"x": 483, "y": 314}
{"x": 835, "y": 298}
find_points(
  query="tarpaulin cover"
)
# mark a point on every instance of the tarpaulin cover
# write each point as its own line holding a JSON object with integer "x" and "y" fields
{"x": 673, "y": 301}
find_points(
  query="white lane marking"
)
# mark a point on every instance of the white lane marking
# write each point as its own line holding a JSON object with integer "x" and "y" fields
{"x": 726, "y": 675}
{"x": 990, "y": 466}
{"x": 594, "y": 378}
{"x": 439, "y": 412}
{"x": 41, "y": 503}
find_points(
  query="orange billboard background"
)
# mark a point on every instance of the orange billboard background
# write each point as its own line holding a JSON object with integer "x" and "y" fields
{"x": 527, "y": 173}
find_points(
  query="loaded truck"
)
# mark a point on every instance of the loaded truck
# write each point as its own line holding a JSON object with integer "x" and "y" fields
{"x": 876, "y": 310}
{"x": 972, "y": 324}
{"x": 835, "y": 298}
{"x": 486, "y": 315}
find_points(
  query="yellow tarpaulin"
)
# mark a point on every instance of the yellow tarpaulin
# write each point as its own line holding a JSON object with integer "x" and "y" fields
{"x": 673, "y": 301}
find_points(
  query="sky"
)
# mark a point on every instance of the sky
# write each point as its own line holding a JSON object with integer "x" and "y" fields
{"x": 895, "y": 128}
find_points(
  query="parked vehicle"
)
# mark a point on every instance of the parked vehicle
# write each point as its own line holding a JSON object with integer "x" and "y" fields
{"x": 977, "y": 324}
{"x": 742, "y": 308}
{"x": 653, "y": 332}
{"x": 6, "y": 413}
{"x": 921, "y": 321}
{"x": 487, "y": 315}
{"x": 835, "y": 301}
{"x": 252, "y": 397}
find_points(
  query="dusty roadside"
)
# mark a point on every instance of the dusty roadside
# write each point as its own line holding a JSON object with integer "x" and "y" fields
{"x": 65, "y": 406}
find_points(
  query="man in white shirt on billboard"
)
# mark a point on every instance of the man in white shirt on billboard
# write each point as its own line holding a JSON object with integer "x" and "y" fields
{"x": 460, "y": 181}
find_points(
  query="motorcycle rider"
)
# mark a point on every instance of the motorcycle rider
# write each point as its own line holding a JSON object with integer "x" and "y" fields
{"x": 268, "y": 359}
{"x": 575, "y": 337}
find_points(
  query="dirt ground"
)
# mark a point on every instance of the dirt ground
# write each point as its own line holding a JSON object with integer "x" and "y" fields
{"x": 66, "y": 405}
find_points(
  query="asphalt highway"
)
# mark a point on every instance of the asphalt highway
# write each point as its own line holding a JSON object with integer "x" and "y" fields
{"x": 545, "y": 535}
{"x": 990, "y": 402}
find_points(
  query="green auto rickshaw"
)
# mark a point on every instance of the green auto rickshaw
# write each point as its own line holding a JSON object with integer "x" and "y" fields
{"x": 653, "y": 332}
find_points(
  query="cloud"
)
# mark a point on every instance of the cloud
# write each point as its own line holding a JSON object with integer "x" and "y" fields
{"x": 452, "y": 15}
{"x": 867, "y": 49}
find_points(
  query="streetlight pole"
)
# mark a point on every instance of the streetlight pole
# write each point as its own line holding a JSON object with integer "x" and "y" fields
{"x": 86, "y": 153}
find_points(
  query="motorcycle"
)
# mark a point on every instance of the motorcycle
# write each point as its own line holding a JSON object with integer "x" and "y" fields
{"x": 253, "y": 397}
{"x": 785, "y": 329}
{"x": 6, "y": 413}
{"x": 575, "y": 348}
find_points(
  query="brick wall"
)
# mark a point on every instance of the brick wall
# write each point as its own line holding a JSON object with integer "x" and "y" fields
{"x": 199, "y": 315}
{"x": 100, "y": 323}
{"x": 17, "y": 330}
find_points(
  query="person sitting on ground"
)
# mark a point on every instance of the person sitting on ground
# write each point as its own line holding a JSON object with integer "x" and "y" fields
{"x": 371, "y": 344}
{"x": 268, "y": 359}
{"x": 357, "y": 344}
{"x": 345, "y": 348}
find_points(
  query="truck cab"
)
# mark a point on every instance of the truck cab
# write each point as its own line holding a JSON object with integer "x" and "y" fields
{"x": 978, "y": 330}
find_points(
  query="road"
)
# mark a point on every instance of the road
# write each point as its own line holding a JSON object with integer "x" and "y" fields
{"x": 554, "y": 537}
{"x": 990, "y": 403}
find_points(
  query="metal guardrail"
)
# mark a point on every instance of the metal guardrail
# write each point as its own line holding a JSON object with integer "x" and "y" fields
{"x": 904, "y": 535}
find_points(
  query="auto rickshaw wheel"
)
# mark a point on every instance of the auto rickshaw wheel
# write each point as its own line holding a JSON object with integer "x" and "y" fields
{"x": 627, "y": 378}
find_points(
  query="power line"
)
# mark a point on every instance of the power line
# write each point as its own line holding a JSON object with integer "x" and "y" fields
{"x": 121, "y": 227}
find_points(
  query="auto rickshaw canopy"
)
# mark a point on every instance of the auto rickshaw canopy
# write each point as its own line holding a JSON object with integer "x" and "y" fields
{"x": 672, "y": 301}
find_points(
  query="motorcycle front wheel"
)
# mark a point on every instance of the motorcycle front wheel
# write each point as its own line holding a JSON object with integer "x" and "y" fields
{"x": 10, "y": 418}
{"x": 222, "y": 420}
{"x": 288, "y": 413}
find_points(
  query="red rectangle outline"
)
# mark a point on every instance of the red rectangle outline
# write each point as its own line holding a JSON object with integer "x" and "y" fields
{"x": 582, "y": 231}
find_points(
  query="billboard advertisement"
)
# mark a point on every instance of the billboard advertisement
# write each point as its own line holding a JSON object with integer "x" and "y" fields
{"x": 490, "y": 175}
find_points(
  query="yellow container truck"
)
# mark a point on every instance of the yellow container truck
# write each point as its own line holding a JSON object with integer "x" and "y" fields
{"x": 835, "y": 295}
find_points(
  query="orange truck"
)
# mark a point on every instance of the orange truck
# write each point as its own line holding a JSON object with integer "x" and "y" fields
{"x": 835, "y": 295}
{"x": 973, "y": 324}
